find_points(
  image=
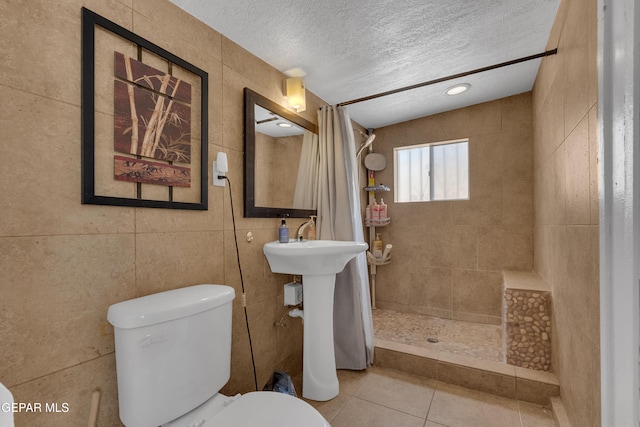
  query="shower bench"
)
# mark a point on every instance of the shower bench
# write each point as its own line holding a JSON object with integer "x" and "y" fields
{"x": 526, "y": 320}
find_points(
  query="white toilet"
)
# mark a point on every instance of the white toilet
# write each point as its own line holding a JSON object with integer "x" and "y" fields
{"x": 173, "y": 355}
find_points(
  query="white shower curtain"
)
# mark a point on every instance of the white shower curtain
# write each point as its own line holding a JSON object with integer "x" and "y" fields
{"x": 339, "y": 218}
{"x": 306, "y": 191}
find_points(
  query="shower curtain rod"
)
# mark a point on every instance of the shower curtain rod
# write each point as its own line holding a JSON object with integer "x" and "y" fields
{"x": 454, "y": 76}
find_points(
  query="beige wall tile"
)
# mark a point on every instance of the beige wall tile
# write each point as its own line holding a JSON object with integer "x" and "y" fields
{"x": 550, "y": 119}
{"x": 480, "y": 119}
{"x": 592, "y": 46}
{"x": 517, "y": 202}
{"x": 566, "y": 253}
{"x": 48, "y": 277}
{"x": 558, "y": 194}
{"x": 43, "y": 197}
{"x": 516, "y": 116}
{"x": 419, "y": 213}
{"x": 183, "y": 29}
{"x": 25, "y": 49}
{"x": 429, "y": 129}
{"x": 505, "y": 248}
{"x": 542, "y": 252}
{"x": 431, "y": 287}
{"x": 574, "y": 44}
{"x": 394, "y": 284}
{"x": 167, "y": 261}
{"x": 517, "y": 155}
{"x": 73, "y": 386}
{"x": 477, "y": 292}
{"x": 593, "y": 165}
{"x": 577, "y": 174}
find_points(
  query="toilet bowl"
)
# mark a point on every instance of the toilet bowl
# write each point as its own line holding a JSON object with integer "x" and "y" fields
{"x": 173, "y": 356}
{"x": 6, "y": 403}
{"x": 261, "y": 408}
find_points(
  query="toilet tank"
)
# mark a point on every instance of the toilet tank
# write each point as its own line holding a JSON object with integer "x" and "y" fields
{"x": 173, "y": 351}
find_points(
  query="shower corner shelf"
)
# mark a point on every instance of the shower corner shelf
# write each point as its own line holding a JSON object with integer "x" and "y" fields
{"x": 381, "y": 223}
{"x": 377, "y": 188}
{"x": 376, "y": 261}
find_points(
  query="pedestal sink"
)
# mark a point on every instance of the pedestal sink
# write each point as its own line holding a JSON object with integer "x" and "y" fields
{"x": 317, "y": 261}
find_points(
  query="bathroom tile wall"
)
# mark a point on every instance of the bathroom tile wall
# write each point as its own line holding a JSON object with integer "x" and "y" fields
{"x": 63, "y": 263}
{"x": 566, "y": 231}
{"x": 448, "y": 256}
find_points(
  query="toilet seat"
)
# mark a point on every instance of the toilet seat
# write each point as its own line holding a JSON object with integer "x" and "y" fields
{"x": 267, "y": 409}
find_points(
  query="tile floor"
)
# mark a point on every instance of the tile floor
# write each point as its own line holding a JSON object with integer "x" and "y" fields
{"x": 385, "y": 398}
{"x": 479, "y": 341}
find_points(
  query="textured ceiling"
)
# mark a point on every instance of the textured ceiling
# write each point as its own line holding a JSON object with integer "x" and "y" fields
{"x": 356, "y": 48}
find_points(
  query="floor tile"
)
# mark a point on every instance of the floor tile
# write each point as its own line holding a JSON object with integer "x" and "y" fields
{"x": 360, "y": 413}
{"x": 455, "y": 406}
{"x": 350, "y": 380}
{"x": 399, "y": 391}
{"x": 535, "y": 415}
{"x": 330, "y": 408}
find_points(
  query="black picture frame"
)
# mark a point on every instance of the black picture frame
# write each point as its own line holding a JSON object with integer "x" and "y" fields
{"x": 89, "y": 22}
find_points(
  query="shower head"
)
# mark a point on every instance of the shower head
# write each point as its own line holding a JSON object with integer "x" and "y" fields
{"x": 366, "y": 144}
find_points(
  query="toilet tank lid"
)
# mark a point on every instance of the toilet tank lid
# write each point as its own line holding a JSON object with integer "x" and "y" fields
{"x": 168, "y": 305}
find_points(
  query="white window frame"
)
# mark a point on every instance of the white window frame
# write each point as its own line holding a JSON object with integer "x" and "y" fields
{"x": 431, "y": 168}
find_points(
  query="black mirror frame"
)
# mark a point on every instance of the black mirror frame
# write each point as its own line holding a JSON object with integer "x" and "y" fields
{"x": 251, "y": 99}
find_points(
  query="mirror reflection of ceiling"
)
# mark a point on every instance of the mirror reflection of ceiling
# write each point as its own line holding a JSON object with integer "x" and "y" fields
{"x": 356, "y": 48}
{"x": 271, "y": 124}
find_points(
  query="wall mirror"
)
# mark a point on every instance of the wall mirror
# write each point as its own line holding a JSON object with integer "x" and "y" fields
{"x": 280, "y": 160}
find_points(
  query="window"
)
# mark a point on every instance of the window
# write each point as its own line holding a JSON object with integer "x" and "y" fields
{"x": 426, "y": 172}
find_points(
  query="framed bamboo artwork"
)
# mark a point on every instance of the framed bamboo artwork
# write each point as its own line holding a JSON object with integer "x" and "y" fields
{"x": 144, "y": 121}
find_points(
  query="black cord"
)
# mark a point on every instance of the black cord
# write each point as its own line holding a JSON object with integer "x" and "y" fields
{"x": 244, "y": 302}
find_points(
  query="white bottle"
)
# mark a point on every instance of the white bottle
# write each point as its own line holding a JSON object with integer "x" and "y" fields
{"x": 375, "y": 212}
{"x": 382, "y": 211}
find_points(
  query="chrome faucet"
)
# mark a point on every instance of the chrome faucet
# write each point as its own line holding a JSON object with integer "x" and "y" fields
{"x": 302, "y": 227}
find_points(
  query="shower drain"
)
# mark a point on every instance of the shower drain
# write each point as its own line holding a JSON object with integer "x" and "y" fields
{"x": 432, "y": 340}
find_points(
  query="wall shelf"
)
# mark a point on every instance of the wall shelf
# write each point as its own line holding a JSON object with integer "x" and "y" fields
{"x": 381, "y": 223}
{"x": 377, "y": 188}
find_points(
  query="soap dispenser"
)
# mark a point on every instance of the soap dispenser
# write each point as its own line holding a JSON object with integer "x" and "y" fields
{"x": 283, "y": 232}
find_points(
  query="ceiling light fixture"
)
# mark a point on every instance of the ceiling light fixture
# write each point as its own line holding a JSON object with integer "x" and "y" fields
{"x": 284, "y": 125}
{"x": 457, "y": 89}
{"x": 295, "y": 93}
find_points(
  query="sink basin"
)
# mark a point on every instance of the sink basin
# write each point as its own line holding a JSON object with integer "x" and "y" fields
{"x": 317, "y": 261}
{"x": 311, "y": 257}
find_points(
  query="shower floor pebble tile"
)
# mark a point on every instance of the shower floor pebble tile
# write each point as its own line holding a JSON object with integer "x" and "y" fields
{"x": 454, "y": 336}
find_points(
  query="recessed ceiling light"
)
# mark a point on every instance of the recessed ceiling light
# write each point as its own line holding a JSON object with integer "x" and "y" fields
{"x": 284, "y": 125}
{"x": 457, "y": 89}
